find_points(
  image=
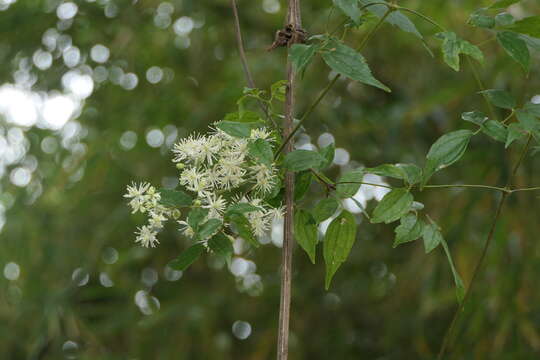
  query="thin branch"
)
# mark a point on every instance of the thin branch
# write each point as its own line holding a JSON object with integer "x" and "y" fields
{"x": 526, "y": 189}
{"x": 505, "y": 190}
{"x": 482, "y": 88}
{"x": 243, "y": 59}
{"x": 294, "y": 19}
{"x": 459, "y": 310}
{"x": 428, "y": 19}
{"x": 364, "y": 183}
{"x": 389, "y": 6}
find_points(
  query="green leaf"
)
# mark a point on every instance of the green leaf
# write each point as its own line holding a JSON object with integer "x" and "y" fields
{"x": 350, "y": 63}
{"x": 528, "y": 121}
{"x": 448, "y": 149}
{"x": 532, "y": 42}
{"x": 528, "y": 26}
{"x": 261, "y": 151}
{"x": 278, "y": 89}
{"x": 302, "y": 182}
{"x": 515, "y": 131}
{"x": 502, "y": 4}
{"x": 349, "y": 8}
{"x": 410, "y": 229}
{"x": 504, "y": 19}
{"x": 481, "y": 21}
{"x": 496, "y": 130}
{"x": 515, "y": 47}
{"x": 243, "y": 228}
{"x": 301, "y": 55}
{"x": 221, "y": 245}
{"x": 393, "y": 206}
{"x": 388, "y": 170}
{"x": 338, "y": 242}
{"x": 187, "y": 257}
{"x": 328, "y": 152}
{"x": 245, "y": 116}
{"x": 174, "y": 198}
{"x": 209, "y": 228}
{"x": 301, "y": 160}
{"x": 413, "y": 173}
{"x": 396, "y": 18}
{"x": 195, "y": 217}
{"x": 324, "y": 209}
{"x": 354, "y": 176}
{"x": 500, "y": 98}
{"x": 460, "y": 288}
{"x": 305, "y": 232}
{"x": 241, "y": 208}
{"x": 476, "y": 117}
{"x": 238, "y": 129}
{"x": 533, "y": 109}
{"x": 432, "y": 237}
{"x": 453, "y": 46}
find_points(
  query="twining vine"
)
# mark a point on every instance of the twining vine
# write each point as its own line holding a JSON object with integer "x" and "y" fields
{"x": 244, "y": 173}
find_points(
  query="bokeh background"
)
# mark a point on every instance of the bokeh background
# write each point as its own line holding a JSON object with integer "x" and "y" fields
{"x": 94, "y": 93}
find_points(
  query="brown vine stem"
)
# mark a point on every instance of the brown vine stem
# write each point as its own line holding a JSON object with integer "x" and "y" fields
{"x": 459, "y": 310}
{"x": 243, "y": 60}
{"x": 293, "y": 19}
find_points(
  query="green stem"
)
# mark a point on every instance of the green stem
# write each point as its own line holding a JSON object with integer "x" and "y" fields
{"x": 482, "y": 88}
{"x": 485, "y": 42}
{"x": 364, "y": 183}
{"x": 389, "y": 6}
{"x": 428, "y": 19}
{"x": 469, "y": 186}
{"x": 323, "y": 93}
{"x": 526, "y": 189}
{"x": 459, "y": 310}
{"x": 509, "y": 116}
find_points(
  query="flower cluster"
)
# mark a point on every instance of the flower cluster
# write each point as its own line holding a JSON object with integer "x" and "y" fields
{"x": 145, "y": 199}
{"x": 218, "y": 170}
{"x": 218, "y": 162}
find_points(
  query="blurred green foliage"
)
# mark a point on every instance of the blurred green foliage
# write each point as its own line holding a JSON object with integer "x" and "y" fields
{"x": 384, "y": 303}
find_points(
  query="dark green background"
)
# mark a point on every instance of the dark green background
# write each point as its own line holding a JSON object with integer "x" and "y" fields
{"x": 384, "y": 303}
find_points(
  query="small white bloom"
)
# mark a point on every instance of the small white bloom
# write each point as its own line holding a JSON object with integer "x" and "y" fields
{"x": 264, "y": 177}
{"x": 259, "y": 223}
{"x": 156, "y": 219}
{"x": 138, "y": 196}
{"x": 186, "y": 229}
{"x": 146, "y": 236}
{"x": 189, "y": 149}
{"x": 135, "y": 190}
{"x": 215, "y": 204}
{"x": 260, "y": 134}
{"x": 276, "y": 213}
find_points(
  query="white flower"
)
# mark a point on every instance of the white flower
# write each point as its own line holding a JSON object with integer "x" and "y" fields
{"x": 187, "y": 230}
{"x": 276, "y": 213}
{"x": 195, "y": 180}
{"x": 188, "y": 149}
{"x": 137, "y": 194}
{"x": 264, "y": 177}
{"x": 152, "y": 198}
{"x": 260, "y": 134}
{"x": 228, "y": 173}
{"x": 259, "y": 222}
{"x": 134, "y": 191}
{"x": 215, "y": 204}
{"x": 156, "y": 219}
{"x": 146, "y": 236}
